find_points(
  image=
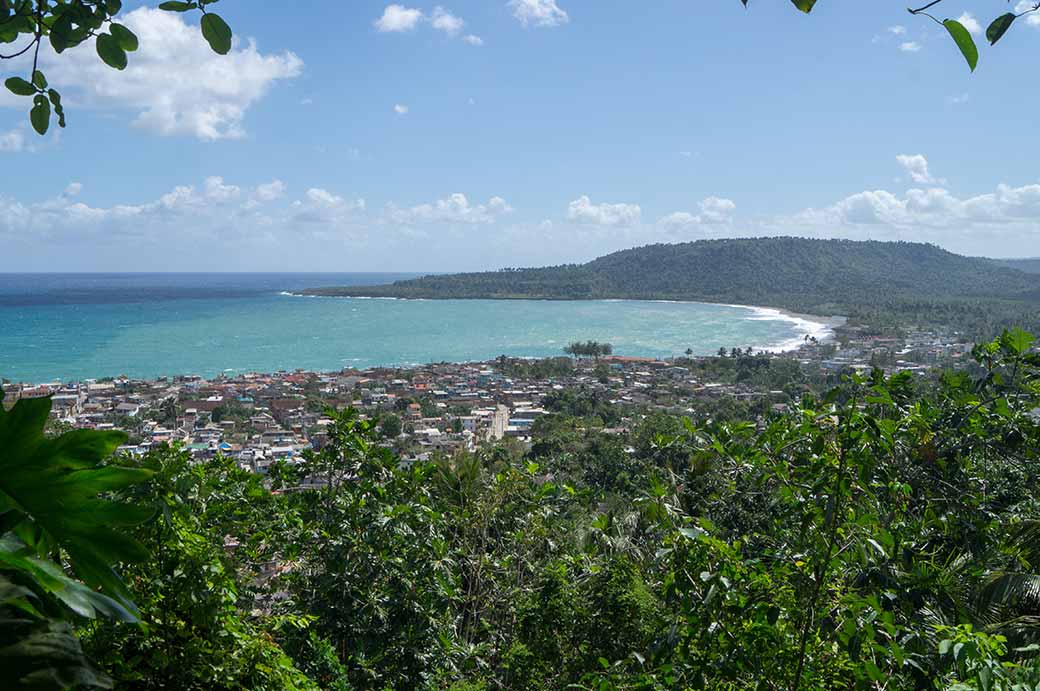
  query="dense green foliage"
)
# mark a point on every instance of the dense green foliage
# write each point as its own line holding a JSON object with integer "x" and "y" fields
{"x": 541, "y": 368}
{"x": 879, "y": 283}
{"x": 880, "y": 536}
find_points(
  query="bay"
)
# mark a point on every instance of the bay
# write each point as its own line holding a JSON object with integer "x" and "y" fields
{"x": 78, "y": 326}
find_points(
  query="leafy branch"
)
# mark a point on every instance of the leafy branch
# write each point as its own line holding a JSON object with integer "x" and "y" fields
{"x": 957, "y": 31}
{"x": 69, "y": 23}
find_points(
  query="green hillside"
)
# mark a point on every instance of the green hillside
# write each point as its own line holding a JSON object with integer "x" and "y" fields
{"x": 873, "y": 282}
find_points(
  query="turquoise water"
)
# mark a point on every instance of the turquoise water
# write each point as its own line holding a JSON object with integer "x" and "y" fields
{"x": 147, "y": 325}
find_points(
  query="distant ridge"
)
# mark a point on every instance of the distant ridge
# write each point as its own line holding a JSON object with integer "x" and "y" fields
{"x": 872, "y": 281}
{"x": 1031, "y": 265}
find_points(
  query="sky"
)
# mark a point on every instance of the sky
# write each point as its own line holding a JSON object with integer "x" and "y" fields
{"x": 481, "y": 134}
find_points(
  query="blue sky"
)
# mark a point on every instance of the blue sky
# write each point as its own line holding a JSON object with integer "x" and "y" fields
{"x": 369, "y": 136}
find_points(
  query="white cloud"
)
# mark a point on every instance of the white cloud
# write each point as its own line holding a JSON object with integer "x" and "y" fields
{"x": 933, "y": 208}
{"x": 910, "y": 47}
{"x": 322, "y": 197}
{"x": 215, "y": 209}
{"x": 582, "y": 210}
{"x": 897, "y": 30}
{"x": 679, "y": 219}
{"x": 540, "y": 13}
{"x": 445, "y": 21}
{"x": 401, "y": 109}
{"x": 12, "y": 142}
{"x": 398, "y": 18}
{"x": 970, "y": 23}
{"x": 175, "y": 84}
{"x": 456, "y": 208}
{"x": 717, "y": 210}
{"x": 958, "y": 99}
{"x": 325, "y": 210}
{"x": 916, "y": 166}
{"x": 713, "y": 210}
{"x": 218, "y": 191}
{"x": 270, "y": 191}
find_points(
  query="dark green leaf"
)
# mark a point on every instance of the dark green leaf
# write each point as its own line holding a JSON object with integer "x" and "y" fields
{"x": 109, "y": 50}
{"x": 40, "y": 115}
{"x": 999, "y": 27}
{"x": 216, "y": 31}
{"x": 19, "y": 86}
{"x": 804, "y": 5}
{"x": 61, "y": 33}
{"x": 39, "y": 81}
{"x": 47, "y": 656}
{"x": 55, "y": 484}
{"x": 177, "y": 6}
{"x": 127, "y": 39}
{"x": 83, "y": 448}
{"x": 962, "y": 37}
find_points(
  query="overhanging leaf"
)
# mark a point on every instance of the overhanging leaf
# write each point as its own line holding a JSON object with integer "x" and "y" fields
{"x": 217, "y": 33}
{"x": 109, "y": 50}
{"x": 966, "y": 44}
{"x": 126, "y": 39}
{"x": 40, "y": 115}
{"x": 177, "y": 6}
{"x": 53, "y": 485}
{"x": 46, "y": 656}
{"x": 999, "y": 27}
{"x": 19, "y": 87}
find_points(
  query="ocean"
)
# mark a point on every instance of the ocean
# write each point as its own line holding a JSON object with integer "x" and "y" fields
{"x": 80, "y": 326}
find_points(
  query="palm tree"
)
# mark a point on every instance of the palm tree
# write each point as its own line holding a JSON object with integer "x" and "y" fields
{"x": 1009, "y": 599}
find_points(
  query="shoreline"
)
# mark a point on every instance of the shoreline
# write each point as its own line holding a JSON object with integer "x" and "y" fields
{"x": 823, "y": 329}
{"x": 826, "y": 331}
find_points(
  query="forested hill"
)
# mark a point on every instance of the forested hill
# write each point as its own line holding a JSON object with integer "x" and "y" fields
{"x": 872, "y": 281}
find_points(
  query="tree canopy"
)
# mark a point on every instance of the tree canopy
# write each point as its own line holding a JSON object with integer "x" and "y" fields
{"x": 592, "y": 349}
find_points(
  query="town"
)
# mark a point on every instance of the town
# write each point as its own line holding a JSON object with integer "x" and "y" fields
{"x": 262, "y": 419}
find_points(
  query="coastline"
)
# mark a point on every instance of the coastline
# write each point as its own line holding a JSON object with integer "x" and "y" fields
{"x": 823, "y": 329}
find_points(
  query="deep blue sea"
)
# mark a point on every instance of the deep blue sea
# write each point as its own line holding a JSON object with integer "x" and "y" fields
{"x": 79, "y": 326}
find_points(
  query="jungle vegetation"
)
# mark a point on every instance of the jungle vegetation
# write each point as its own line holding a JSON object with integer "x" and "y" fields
{"x": 882, "y": 535}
